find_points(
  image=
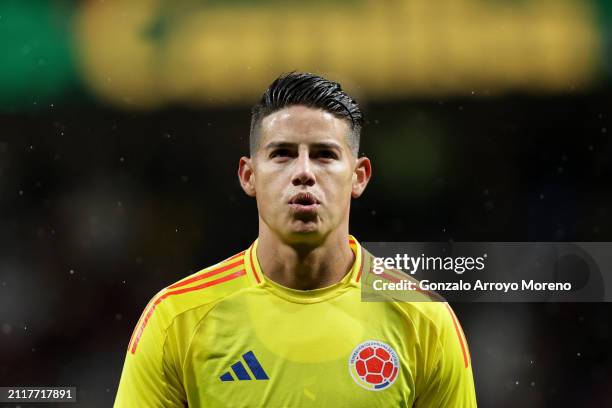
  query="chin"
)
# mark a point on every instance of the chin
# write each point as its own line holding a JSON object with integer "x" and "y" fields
{"x": 304, "y": 234}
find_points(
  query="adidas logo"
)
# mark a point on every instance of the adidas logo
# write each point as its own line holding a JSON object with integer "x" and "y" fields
{"x": 241, "y": 373}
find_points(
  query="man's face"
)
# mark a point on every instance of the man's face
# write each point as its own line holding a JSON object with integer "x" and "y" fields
{"x": 303, "y": 173}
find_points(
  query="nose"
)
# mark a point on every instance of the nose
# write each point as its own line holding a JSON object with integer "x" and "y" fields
{"x": 303, "y": 174}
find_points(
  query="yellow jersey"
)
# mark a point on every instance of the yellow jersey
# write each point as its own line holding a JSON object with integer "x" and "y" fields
{"x": 227, "y": 336}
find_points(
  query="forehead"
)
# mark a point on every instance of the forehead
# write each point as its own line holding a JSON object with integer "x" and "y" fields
{"x": 301, "y": 124}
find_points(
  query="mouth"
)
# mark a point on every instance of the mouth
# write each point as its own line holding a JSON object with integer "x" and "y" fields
{"x": 304, "y": 203}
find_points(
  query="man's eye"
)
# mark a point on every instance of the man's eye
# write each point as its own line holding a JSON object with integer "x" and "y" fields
{"x": 279, "y": 153}
{"x": 326, "y": 154}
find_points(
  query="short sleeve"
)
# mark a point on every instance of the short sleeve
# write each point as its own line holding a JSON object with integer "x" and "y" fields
{"x": 147, "y": 379}
{"x": 448, "y": 381}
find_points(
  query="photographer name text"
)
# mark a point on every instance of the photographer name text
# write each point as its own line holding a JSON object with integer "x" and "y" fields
{"x": 478, "y": 285}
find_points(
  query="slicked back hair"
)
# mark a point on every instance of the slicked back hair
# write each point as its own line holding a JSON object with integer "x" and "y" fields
{"x": 303, "y": 88}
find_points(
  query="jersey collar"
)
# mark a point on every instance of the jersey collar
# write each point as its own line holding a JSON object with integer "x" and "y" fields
{"x": 257, "y": 277}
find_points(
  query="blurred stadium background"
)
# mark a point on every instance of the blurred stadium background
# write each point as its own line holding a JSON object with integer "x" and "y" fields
{"x": 121, "y": 124}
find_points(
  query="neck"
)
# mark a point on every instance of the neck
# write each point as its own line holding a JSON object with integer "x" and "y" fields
{"x": 305, "y": 266}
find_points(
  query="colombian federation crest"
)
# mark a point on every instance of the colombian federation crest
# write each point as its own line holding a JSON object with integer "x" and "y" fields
{"x": 374, "y": 365}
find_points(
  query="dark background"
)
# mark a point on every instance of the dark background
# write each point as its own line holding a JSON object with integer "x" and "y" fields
{"x": 100, "y": 209}
{"x": 102, "y": 206}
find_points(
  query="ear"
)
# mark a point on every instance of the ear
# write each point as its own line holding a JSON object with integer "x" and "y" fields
{"x": 246, "y": 176}
{"x": 361, "y": 176}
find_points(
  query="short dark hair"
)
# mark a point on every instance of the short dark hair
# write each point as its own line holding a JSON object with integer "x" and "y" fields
{"x": 303, "y": 88}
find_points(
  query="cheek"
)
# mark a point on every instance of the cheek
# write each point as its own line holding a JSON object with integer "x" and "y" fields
{"x": 341, "y": 189}
{"x": 268, "y": 190}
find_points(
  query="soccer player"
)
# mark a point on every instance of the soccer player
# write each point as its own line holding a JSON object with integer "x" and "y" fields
{"x": 282, "y": 323}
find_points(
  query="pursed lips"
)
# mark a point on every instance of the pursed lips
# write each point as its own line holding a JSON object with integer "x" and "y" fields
{"x": 304, "y": 203}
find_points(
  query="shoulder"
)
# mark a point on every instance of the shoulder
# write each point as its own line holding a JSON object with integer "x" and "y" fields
{"x": 437, "y": 327}
{"x": 427, "y": 311}
{"x": 196, "y": 293}
{"x": 439, "y": 315}
{"x": 429, "y": 314}
{"x": 206, "y": 286}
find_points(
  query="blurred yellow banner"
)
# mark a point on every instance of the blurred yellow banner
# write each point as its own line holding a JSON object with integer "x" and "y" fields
{"x": 147, "y": 53}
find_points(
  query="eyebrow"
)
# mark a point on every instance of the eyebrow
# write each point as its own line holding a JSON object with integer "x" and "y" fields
{"x": 320, "y": 145}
